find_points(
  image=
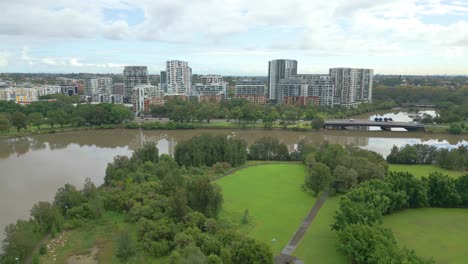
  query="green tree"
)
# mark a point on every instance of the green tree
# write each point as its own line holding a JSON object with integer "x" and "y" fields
{"x": 4, "y": 124}
{"x": 344, "y": 179}
{"x": 46, "y": 215}
{"x": 19, "y": 120}
{"x": 361, "y": 205}
{"x": 204, "y": 196}
{"x": 207, "y": 111}
{"x": 178, "y": 204}
{"x": 317, "y": 123}
{"x": 455, "y": 128}
{"x": 120, "y": 113}
{"x": 36, "y": 119}
{"x": 442, "y": 191}
{"x": 148, "y": 152}
{"x": 57, "y": 117}
{"x": 319, "y": 178}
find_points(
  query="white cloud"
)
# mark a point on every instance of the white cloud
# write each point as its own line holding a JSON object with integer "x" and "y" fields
{"x": 3, "y": 59}
{"x": 228, "y": 28}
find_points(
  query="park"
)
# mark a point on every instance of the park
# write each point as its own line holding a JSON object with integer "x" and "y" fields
{"x": 277, "y": 204}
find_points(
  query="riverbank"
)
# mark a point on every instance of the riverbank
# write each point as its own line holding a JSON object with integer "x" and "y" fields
{"x": 151, "y": 125}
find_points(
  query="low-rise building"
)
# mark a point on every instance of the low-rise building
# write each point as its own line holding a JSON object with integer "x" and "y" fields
{"x": 49, "y": 89}
{"x": 209, "y": 91}
{"x": 211, "y": 78}
{"x": 20, "y": 95}
{"x": 69, "y": 89}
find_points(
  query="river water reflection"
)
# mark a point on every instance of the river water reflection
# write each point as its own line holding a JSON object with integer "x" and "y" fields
{"x": 33, "y": 168}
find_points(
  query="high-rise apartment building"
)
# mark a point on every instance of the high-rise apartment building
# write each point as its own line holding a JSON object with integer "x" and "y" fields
{"x": 277, "y": 70}
{"x": 94, "y": 86}
{"x": 253, "y": 91}
{"x": 179, "y": 77}
{"x": 163, "y": 81}
{"x": 320, "y": 86}
{"x": 118, "y": 88}
{"x": 295, "y": 91}
{"x": 133, "y": 76}
{"x": 352, "y": 86}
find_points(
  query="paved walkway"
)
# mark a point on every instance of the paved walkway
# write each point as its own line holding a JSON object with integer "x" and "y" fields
{"x": 292, "y": 244}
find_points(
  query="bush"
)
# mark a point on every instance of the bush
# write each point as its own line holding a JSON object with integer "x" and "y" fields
{"x": 42, "y": 249}
{"x": 125, "y": 247}
{"x": 455, "y": 128}
{"x": 246, "y": 217}
{"x": 132, "y": 125}
{"x": 35, "y": 259}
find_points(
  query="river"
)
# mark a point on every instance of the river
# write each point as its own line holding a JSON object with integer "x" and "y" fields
{"x": 33, "y": 168}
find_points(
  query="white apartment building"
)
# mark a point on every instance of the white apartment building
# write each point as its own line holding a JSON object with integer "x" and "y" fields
{"x": 143, "y": 92}
{"x": 178, "y": 77}
{"x": 49, "y": 89}
{"x": 352, "y": 86}
{"x": 94, "y": 86}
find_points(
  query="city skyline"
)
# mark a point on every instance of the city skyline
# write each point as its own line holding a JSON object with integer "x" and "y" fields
{"x": 235, "y": 38}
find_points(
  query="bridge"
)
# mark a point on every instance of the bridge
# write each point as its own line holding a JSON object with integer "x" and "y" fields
{"x": 345, "y": 123}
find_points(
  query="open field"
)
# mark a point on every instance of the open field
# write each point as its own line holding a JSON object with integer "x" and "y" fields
{"x": 433, "y": 232}
{"x": 274, "y": 198}
{"x": 423, "y": 170}
{"x": 319, "y": 244}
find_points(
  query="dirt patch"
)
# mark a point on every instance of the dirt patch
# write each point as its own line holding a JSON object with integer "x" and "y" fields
{"x": 90, "y": 258}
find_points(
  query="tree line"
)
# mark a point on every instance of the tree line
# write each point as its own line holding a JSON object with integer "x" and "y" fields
{"x": 243, "y": 112}
{"x": 337, "y": 168}
{"x": 451, "y": 159}
{"x": 451, "y": 102}
{"x": 358, "y": 221}
{"x": 40, "y": 113}
{"x": 174, "y": 209}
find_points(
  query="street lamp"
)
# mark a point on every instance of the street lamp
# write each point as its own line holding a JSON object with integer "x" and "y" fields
{"x": 17, "y": 260}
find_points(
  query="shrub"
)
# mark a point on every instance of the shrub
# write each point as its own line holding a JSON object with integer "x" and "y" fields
{"x": 455, "y": 128}
{"x": 42, "y": 249}
{"x": 125, "y": 247}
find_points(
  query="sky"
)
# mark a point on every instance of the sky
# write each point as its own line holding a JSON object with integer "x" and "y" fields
{"x": 234, "y": 37}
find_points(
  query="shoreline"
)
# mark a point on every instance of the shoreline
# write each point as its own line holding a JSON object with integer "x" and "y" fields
{"x": 430, "y": 131}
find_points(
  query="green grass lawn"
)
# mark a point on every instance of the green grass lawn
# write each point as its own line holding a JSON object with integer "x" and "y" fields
{"x": 274, "y": 198}
{"x": 433, "y": 232}
{"x": 319, "y": 244}
{"x": 423, "y": 170}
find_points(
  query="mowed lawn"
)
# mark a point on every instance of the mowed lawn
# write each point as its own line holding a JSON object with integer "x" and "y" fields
{"x": 319, "y": 244}
{"x": 433, "y": 232}
{"x": 423, "y": 170}
{"x": 273, "y": 195}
